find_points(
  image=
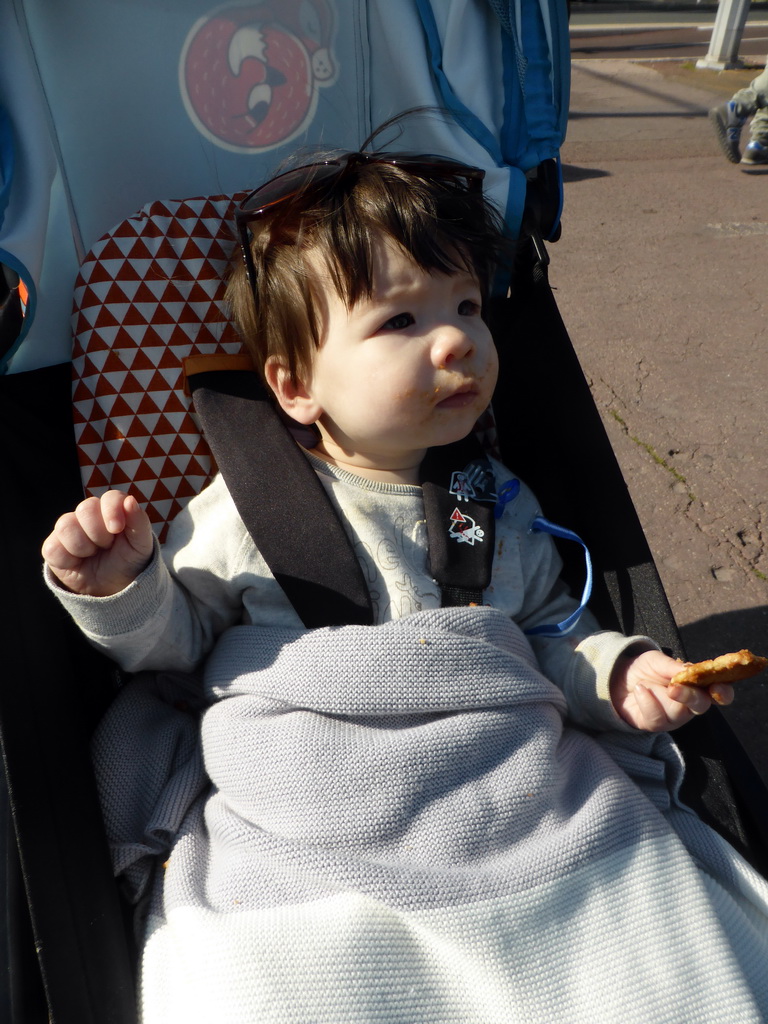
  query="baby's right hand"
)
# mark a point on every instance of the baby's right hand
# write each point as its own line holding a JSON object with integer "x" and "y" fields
{"x": 101, "y": 547}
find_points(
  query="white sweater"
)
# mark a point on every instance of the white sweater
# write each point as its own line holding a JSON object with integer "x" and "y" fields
{"x": 211, "y": 576}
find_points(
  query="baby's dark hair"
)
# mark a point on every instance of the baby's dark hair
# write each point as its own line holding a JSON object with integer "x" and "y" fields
{"x": 442, "y": 222}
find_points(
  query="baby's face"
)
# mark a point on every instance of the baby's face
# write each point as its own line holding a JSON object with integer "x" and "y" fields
{"x": 411, "y": 367}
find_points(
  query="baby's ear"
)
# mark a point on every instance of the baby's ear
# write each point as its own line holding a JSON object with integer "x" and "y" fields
{"x": 291, "y": 394}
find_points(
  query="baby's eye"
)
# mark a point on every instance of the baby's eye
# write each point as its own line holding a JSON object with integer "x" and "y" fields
{"x": 399, "y": 322}
{"x": 469, "y": 307}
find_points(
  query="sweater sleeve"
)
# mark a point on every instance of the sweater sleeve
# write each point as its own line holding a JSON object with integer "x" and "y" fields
{"x": 526, "y": 582}
{"x": 191, "y": 591}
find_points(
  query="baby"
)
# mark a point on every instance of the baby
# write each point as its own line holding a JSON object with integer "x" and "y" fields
{"x": 361, "y": 300}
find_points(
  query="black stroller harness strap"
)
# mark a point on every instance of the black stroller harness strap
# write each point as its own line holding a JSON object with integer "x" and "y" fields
{"x": 459, "y": 501}
{"x": 294, "y": 525}
{"x": 280, "y": 500}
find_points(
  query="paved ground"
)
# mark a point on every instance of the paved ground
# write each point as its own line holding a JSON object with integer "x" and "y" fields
{"x": 661, "y": 280}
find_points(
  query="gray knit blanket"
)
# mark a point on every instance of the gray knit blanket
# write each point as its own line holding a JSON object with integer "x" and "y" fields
{"x": 396, "y": 824}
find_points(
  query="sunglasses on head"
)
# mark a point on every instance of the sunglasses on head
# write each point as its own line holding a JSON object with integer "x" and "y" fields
{"x": 324, "y": 175}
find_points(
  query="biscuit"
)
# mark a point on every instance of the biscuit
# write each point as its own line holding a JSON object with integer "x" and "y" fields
{"x": 728, "y": 668}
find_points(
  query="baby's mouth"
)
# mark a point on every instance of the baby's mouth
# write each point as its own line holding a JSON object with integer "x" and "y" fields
{"x": 460, "y": 397}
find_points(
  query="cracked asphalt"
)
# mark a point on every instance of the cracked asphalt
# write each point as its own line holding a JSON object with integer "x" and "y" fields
{"x": 660, "y": 276}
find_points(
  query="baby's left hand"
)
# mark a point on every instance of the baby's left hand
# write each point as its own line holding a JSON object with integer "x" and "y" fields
{"x": 641, "y": 693}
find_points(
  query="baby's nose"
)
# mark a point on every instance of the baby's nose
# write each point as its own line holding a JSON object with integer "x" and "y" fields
{"x": 451, "y": 343}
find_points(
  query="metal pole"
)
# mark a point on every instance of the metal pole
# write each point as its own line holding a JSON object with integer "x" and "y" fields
{"x": 726, "y": 36}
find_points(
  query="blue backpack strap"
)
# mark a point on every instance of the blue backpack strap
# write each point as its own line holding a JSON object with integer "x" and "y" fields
{"x": 534, "y": 70}
{"x": 468, "y": 120}
{"x": 538, "y": 53}
{"x": 534, "y": 53}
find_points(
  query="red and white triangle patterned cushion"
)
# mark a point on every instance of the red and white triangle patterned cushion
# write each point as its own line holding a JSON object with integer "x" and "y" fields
{"x": 149, "y": 294}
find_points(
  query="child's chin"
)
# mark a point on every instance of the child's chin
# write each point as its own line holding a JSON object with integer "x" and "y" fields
{"x": 458, "y": 433}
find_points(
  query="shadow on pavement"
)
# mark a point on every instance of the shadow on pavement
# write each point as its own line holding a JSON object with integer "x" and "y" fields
{"x": 573, "y": 173}
{"x": 682, "y": 107}
{"x": 731, "y": 631}
{"x": 727, "y": 631}
{"x": 634, "y": 115}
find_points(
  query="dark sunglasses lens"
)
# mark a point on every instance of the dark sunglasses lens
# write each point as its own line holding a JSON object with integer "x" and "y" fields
{"x": 302, "y": 179}
{"x": 436, "y": 167}
{"x": 288, "y": 184}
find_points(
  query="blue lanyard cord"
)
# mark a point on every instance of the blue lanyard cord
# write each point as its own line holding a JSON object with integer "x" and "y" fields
{"x": 558, "y": 629}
